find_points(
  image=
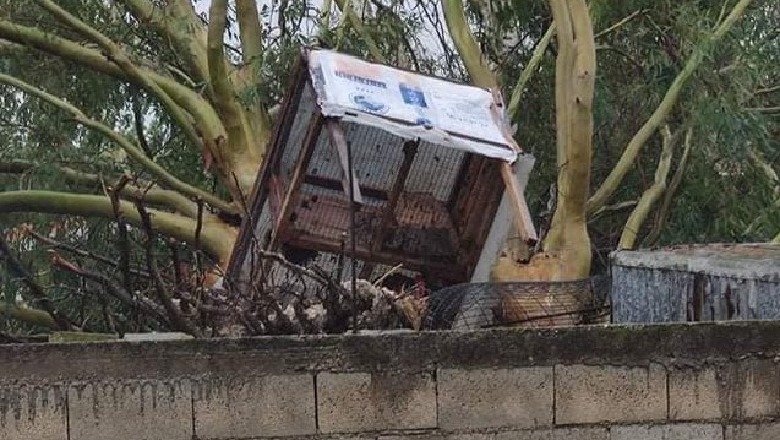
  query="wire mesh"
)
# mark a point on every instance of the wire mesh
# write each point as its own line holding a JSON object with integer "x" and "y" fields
{"x": 526, "y": 304}
{"x": 315, "y": 297}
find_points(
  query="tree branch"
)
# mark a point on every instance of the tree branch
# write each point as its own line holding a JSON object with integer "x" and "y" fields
{"x": 216, "y": 238}
{"x": 575, "y": 74}
{"x": 251, "y": 36}
{"x": 467, "y": 47}
{"x": 174, "y": 314}
{"x": 250, "y": 31}
{"x": 131, "y": 149}
{"x": 81, "y": 252}
{"x": 620, "y": 23}
{"x": 612, "y": 182}
{"x": 141, "y": 190}
{"x": 528, "y": 71}
{"x": 651, "y": 195}
{"x": 204, "y": 115}
{"x": 115, "y": 290}
{"x": 679, "y": 173}
{"x": 28, "y": 315}
{"x": 243, "y": 145}
{"x": 346, "y": 8}
{"x": 177, "y": 21}
{"x": 117, "y": 55}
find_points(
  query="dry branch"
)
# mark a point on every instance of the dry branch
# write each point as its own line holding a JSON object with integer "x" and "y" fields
{"x": 179, "y": 321}
{"x": 112, "y": 289}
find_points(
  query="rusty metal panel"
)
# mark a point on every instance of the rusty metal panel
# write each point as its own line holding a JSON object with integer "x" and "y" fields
{"x": 696, "y": 283}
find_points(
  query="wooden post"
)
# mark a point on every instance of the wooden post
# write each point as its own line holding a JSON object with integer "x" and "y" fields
{"x": 410, "y": 151}
{"x": 522, "y": 216}
{"x": 301, "y": 164}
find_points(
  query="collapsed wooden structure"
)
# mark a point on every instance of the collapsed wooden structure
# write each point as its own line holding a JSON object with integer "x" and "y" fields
{"x": 410, "y": 166}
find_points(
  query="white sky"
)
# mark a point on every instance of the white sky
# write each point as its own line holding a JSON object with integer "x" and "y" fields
{"x": 427, "y": 36}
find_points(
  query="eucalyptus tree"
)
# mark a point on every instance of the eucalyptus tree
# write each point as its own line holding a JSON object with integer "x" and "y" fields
{"x": 133, "y": 131}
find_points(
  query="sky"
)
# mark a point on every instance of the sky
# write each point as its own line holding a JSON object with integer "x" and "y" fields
{"x": 427, "y": 37}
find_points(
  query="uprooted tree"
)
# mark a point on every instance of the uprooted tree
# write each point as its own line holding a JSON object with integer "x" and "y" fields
{"x": 133, "y": 132}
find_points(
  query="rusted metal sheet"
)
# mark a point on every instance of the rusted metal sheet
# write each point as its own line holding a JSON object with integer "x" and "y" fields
{"x": 696, "y": 283}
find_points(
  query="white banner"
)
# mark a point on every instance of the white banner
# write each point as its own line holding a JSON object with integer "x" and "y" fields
{"x": 431, "y": 105}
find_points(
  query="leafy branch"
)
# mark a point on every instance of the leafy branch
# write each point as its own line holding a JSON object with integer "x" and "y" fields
{"x": 132, "y": 150}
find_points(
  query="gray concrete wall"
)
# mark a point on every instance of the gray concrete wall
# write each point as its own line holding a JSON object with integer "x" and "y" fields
{"x": 669, "y": 382}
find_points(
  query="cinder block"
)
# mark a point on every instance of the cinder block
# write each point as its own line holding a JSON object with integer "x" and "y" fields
{"x": 555, "y": 434}
{"x": 693, "y": 395}
{"x": 764, "y": 431}
{"x": 353, "y": 402}
{"x": 248, "y": 407}
{"x": 33, "y": 412}
{"x": 148, "y": 410}
{"x": 581, "y": 434}
{"x": 597, "y": 394}
{"x": 509, "y": 398}
{"x": 736, "y": 391}
{"x": 680, "y": 431}
{"x": 749, "y": 389}
{"x": 434, "y": 436}
{"x": 471, "y": 436}
{"x": 526, "y": 434}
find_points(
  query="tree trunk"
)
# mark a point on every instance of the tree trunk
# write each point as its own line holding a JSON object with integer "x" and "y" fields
{"x": 566, "y": 247}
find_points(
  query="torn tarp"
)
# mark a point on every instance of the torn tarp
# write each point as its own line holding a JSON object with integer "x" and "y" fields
{"x": 410, "y": 105}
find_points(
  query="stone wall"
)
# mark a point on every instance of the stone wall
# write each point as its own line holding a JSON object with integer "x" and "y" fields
{"x": 665, "y": 382}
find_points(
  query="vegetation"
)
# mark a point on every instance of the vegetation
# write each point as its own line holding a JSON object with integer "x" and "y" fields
{"x": 132, "y": 132}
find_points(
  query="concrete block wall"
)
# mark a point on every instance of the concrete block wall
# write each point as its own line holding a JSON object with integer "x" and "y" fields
{"x": 669, "y": 382}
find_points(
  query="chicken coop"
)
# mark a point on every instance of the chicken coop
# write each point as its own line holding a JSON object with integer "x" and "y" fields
{"x": 387, "y": 167}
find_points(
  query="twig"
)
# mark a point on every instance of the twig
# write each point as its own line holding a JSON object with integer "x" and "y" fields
{"x": 113, "y": 288}
{"x": 616, "y": 207}
{"x": 393, "y": 270}
{"x": 619, "y": 23}
{"x": 81, "y": 252}
{"x": 174, "y": 315}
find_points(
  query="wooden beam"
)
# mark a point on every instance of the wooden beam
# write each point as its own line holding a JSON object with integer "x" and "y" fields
{"x": 522, "y": 216}
{"x": 410, "y": 151}
{"x": 448, "y": 270}
{"x": 301, "y": 164}
{"x": 339, "y": 141}
{"x": 327, "y": 182}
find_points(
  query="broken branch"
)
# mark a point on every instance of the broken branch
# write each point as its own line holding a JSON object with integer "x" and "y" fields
{"x": 174, "y": 314}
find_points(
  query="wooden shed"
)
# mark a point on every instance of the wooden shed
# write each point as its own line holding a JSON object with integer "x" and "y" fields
{"x": 413, "y": 167}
